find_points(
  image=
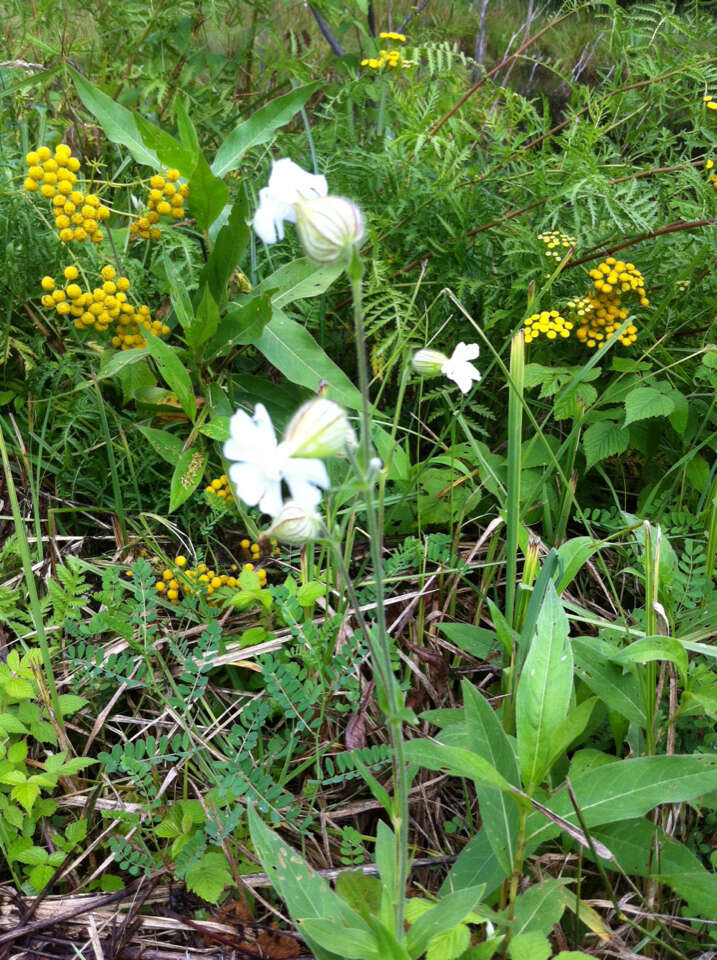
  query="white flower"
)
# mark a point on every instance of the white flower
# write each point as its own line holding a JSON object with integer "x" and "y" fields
{"x": 295, "y": 524}
{"x": 459, "y": 369}
{"x": 329, "y": 228}
{"x": 319, "y": 428}
{"x": 288, "y": 183}
{"x": 260, "y": 465}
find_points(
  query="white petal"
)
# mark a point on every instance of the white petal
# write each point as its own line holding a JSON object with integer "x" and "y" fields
{"x": 289, "y": 182}
{"x": 304, "y": 493}
{"x": 270, "y": 214}
{"x": 465, "y": 351}
{"x": 249, "y": 482}
{"x": 307, "y": 469}
{"x": 271, "y": 502}
{"x": 241, "y": 429}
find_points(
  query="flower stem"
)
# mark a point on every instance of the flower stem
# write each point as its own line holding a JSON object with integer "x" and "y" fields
{"x": 389, "y": 691}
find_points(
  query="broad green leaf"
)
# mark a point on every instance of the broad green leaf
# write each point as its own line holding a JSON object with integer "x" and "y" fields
{"x": 620, "y": 691}
{"x": 444, "y": 916}
{"x": 603, "y": 439}
{"x": 70, "y": 703}
{"x": 644, "y": 402}
{"x": 305, "y": 893}
{"x": 573, "y": 554}
{"x": 487, "y": 738}
{"x": 656, "y": 648}
{"x": 351, "y": 942}
{"x": 632, "y": 789}
{"x": 477, "y": 641}
{"x": 116, "y": 361}
{"x": 449, "y": 945}
{"x": 187, "y": 476}
{"x": 166, "y": 444}
{"x": 185, "y": 127}
{"x": 361, "y": 893}
{"x": 227, "y": 251}
{"x": 456, "y": 761}
{"x": 476, "y": 863}
{"x": 299, "y": 280}
{"x": 242, "y": 324}
{"x": 168, "y": 150}
{"x": 9, "y": 723}
{"x": 208, "y": 195}
{"x": 205, "y": 321}
{"x": 216, "y": 429}
{"x": 25, "y": 794}
{"x": 294, "y": 352}
{"x": 260, "y": 127}
{"x": 18, "y": 688}
{"x": 118, "y": 123}
{"x": 32, "y": 856}
{"x": 538, "y": 908}
{"x": 544, "y": 690}
{"x": 173, "y": 372}
{"x": 40, "y": 876}
{"x": 570, "y": 729}
{"x": 680, "y": 414}
{"x": 209, "y": 876}
{"x": 529, "y": 946}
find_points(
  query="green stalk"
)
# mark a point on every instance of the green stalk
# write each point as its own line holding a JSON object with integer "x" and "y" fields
{"x": 35, "y": 609}
{"x": 712, "y": 531}
{"x": 651, "y": 560}
{"x": 515, "y": 434}
{"x": 380, "y": 643}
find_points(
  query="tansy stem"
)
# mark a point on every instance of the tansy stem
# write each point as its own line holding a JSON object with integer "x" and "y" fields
{"x": 379, "y": 642}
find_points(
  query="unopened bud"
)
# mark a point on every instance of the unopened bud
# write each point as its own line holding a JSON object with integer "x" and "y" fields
{"x": 429, "y": 363}
{"x": 295, "y": 524}
{"x": 319, "y": 428}
{"x": 329, "y": 228}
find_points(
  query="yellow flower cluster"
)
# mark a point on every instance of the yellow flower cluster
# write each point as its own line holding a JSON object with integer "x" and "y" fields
{"x": 388, "y": 58}
{"x": 77, "y": 216}
{"x": 557, "y": 243}
{"x": 99, "y": 308}
{"x": 548, "y": 322}
{"x": 709, "y": 164}
{"x": 218, "y": 492}
{"x": 200, "y": 579}
{"x": 601, "y": 312}
{"x": 710, "y": 102}
{"x": 396, "y": 37}
{"x": 165, "y": 199}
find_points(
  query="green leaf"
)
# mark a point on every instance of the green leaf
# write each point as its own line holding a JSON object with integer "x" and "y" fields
{"x": 305, "y": 893}
{"x": 118, "y": 360}
{"x": 299, "y": 280}
{"x": 216, "y": 429}
{"x": 570, "y": 729}
{"x": 603, "y": 439}
{"x": 242, "y": 324}
{"x": 656, "y": 648}
{"x": 618, "y": 690}
{"x": 449, "y": 945}
{"x": 487, "y": 738}
{"x": 40, "y": 876}
{"x": 118, "y": 123}
{"x": 293, "y": 351}
{"x": 476, "y": 862}
{"x": 168, "y": 150}
{"x": 76, "y": 831}
{"x": 209, "y": 876}
{"x": 361, "y": 893}
{"x": 679, "y": 416}
{"x": 442, "y": 917}
{"x": 25, "y": 794}
{"x": 260, "y": 127}
{"x": 9, "y": 723}
{"x": 204, "y": 323}
{"x": 477, "y": 641}
{"x": 18, "y": 688}
{"x": 644, "y": 402}
{"x": 544, "y": 690}
{"x": 228, "y": 248}
{"x": 70, "y": 703}
{"x": 173, "y": 373}
{"x": 166, "y": 444}
{"x": 208, "y": 195}
{"x": 187, "y": 476}
{"x": 185, "y": 127}
{"x": 352, "y": 943}
{"x": 456, "y": 761}
{"x": 573, "y": 554}
{"x": 32, "y": 856}
{"x": 529, "y": 946}
{"x": 538, "y": 908}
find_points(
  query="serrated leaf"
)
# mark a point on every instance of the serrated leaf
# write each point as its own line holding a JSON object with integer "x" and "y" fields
{"x": 19, "y": 689}
{"x": 644, "y": 402}
{"x": 70, "y": 703}
{"x": 209, "y": 876}
{"x": 260, "y": 127}
{"x": 603, "y": 439}
{"x": 25, "y": 794}
{"x": 187, "y": 476}
{"x": 40, "y": 876}
{"x": 529, "y": 946}
{"x": 450, "y": 944}
{"x": 9, "y": 723}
